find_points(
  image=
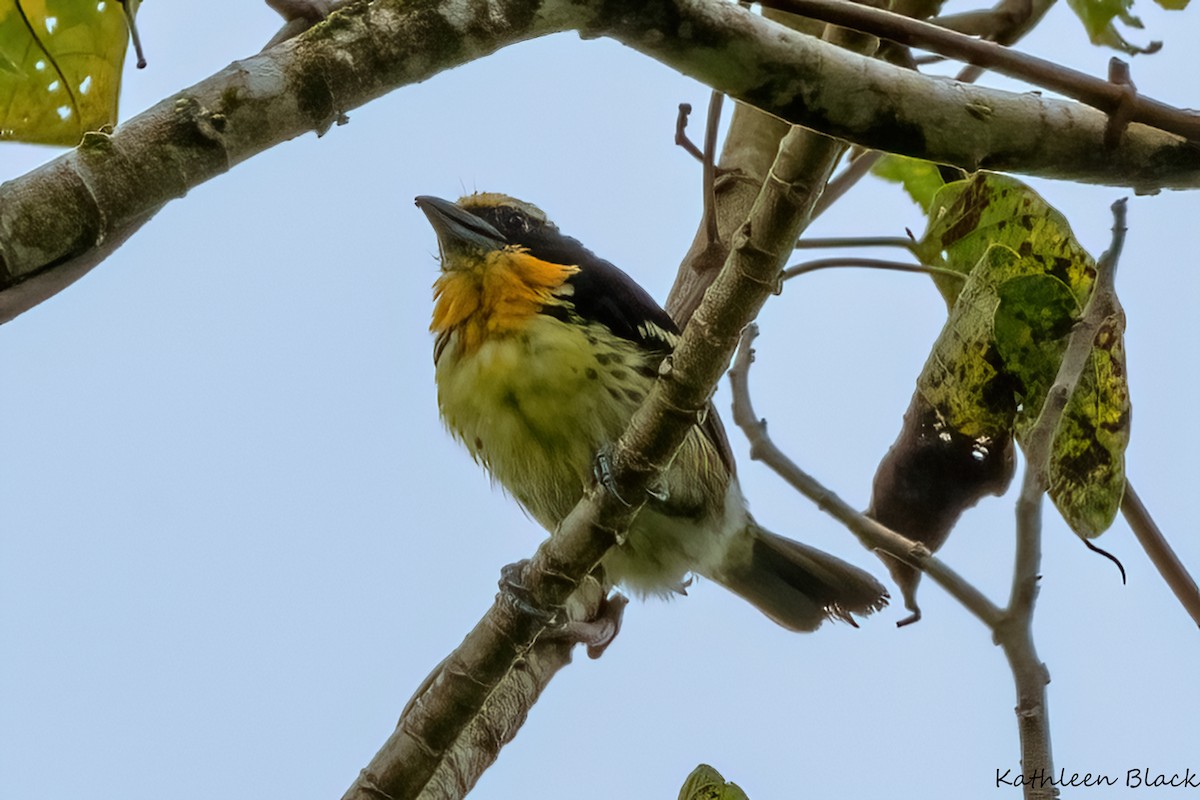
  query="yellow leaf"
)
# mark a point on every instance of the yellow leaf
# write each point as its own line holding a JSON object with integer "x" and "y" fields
{"x": 60, "y": 68}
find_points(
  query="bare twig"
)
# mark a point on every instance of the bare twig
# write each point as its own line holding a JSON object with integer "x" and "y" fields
{"x": 1159, "y": 550}
{"x": 681, "y": 137}
{"x": 1003, "y": 23}
{"x": 1094, "y": 92}
{"x": 715, "y": 102}
{"x": 299, "y": 16}
{"x": 868, "y": 263}
{"x": 855, "y": 171}
{"x": 1121, "y": 115}
{"x": 751, "y": 146}
{"x": 818, "y": 242}
{"x": 873, "y": 535}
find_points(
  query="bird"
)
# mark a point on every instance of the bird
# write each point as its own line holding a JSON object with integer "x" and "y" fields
{"x": 542, "y": 353}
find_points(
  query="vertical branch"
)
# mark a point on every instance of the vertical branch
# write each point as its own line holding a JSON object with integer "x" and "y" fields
{"x": 1015, "y": 633}
{"x": 715, "y": 103}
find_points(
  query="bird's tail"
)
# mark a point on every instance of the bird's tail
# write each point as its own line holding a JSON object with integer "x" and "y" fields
{"x": 799, "y": 586}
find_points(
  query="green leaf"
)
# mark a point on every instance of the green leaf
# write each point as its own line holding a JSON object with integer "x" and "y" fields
{"x": 1087, "y": 461}
{"x": 921, "y": 179}
{"x": 1028, "y": 280}
{"x": 969, "y": 216}
{"x": 705, "y": 783}
{"x": 964, "y": 379}
{"x": 60, "y": 68}
{"x": 1087, "y": 467}
{"x": 1098, "y": 18}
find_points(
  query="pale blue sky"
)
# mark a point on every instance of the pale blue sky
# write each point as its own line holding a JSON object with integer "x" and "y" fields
{"x": 236, "y": 537}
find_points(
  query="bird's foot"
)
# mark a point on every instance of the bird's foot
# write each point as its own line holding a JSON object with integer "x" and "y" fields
{"x": 299, "y": 16}
{"x": 513, "y": 588}
{"x": 596, "y": 633}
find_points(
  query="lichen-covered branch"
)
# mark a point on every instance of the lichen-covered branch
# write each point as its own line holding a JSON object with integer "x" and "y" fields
{"x": 820, "y": 86}
{"x": 54, "y": 220}
{"x": 1096, "y": 92}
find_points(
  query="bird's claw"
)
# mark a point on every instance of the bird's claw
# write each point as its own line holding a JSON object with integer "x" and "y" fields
{"x": 596, "y": 633}
{"x": 513, "y": 589}
{"x": 602, "y": 470}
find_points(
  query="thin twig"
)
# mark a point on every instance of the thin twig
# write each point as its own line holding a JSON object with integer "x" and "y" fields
{"x": 846, "y": 179}
{"x": 1099, "y": 94}
{"x": 1004, "y": 23}
{"x": 872, "y": 535}
{"x": 1159, "y": 550}
{"x": 869, "y": 263}
{"x": 715, "y": 102}
{"x": 818, "y": 242}
{"x": 681, "y": 137}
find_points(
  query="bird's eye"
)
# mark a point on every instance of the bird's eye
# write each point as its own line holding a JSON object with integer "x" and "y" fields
{"x": 516, "y": 221}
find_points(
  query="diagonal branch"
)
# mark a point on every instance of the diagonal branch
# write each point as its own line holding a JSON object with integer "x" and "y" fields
{"x": 872, "y": 534}
{"x": 1173, "y": 572}
{"x": 679, "y": 398}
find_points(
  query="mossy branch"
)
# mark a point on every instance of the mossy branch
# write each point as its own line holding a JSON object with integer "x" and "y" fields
{"x": 56, "y": 221}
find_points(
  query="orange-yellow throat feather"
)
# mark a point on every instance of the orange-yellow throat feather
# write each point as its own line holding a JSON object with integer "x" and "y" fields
{"x": 494, "y": 295}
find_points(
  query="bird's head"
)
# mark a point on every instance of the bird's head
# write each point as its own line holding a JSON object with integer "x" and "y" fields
{"x": 482, "y": 223}
{"x": 495, "y": 276}
{"x": 504, "y": 261}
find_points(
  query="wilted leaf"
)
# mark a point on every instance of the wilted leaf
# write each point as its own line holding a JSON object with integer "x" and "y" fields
{"x": 1026, "y": 282}
{"x": 1022, "y": 301}
{"x": 60, "y": 68}
{"x": 1087, "y": 467}
{"x": 921, "y": 179}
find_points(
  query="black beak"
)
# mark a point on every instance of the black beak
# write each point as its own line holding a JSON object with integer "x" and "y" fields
{"x": 454, "y": 226}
